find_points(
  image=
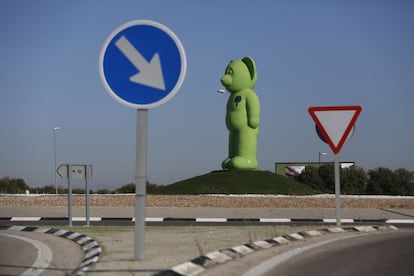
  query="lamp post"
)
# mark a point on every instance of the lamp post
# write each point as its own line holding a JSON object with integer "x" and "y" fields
{"x": 319, "y": 159}
{"x": 54, "y": 152}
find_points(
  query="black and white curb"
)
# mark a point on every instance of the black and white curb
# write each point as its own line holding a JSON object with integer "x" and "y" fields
{"x": 201, "y": 263}
{"x": 208, "y": 220}
{"x": 89, "y": 246}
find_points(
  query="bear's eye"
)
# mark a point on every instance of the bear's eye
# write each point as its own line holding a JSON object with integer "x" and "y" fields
{"x": 229, "y": 71}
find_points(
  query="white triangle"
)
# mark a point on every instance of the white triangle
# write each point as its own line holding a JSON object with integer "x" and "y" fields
{"x": 335, "y": 123}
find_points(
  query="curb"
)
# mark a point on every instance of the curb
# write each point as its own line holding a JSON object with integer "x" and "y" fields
{"x": 208, "y": 220}
{"x": 89, "y": 246}
{"x": 201, "y": 263}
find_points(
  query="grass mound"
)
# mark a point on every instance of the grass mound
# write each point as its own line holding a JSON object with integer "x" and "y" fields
{"x": 237, "y": 182}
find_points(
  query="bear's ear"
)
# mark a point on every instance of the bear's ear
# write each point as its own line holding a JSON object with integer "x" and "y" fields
{"x": 225, "y": 71}
{"x": 251, "y": 65}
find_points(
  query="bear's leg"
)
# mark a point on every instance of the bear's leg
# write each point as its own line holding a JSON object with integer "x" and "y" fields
{"x": 245, "y": 150}
{"x": 226, "y": 164}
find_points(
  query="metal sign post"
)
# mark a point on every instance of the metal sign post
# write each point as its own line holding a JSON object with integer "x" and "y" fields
{"x": 87, "y": 202}
{"x": 69, "y": 199}
{"x": 88, "y": 174}
{"x": 337, "y": 190}
{"x": 140, "y": 183}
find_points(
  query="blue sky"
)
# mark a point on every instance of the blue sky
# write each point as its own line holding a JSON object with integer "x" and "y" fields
{"x": 308, "y": 53}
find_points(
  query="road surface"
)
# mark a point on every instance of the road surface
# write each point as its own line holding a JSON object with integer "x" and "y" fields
{"x": 28, "y": 253}
{"x": 380, "y": 253}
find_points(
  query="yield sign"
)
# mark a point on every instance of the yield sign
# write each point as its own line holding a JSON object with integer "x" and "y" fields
{"x": 335, "y": 123}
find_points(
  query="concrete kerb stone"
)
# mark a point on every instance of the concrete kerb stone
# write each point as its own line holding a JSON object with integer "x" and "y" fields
{"x": 311, "y": 233}
{"x": 200, "y": 264}
{"x": 89, "y": 246}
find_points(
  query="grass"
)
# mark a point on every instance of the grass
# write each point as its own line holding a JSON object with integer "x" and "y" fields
{"x": 200, "y": 239}
{"x": 170, "y": 245}
{"x": 237, "y": 182}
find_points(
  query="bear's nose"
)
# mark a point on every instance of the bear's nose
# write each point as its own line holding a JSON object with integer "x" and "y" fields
{"x": 226, "y": 80}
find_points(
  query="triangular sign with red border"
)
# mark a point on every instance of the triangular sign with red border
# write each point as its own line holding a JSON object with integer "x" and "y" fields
{"x": 335, "y": 123}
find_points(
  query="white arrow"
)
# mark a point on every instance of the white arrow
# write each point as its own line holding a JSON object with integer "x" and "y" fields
{"x": 150, "y": 73}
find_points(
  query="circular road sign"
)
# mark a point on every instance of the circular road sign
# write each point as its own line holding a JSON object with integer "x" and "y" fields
{"x": 142, "y": 64}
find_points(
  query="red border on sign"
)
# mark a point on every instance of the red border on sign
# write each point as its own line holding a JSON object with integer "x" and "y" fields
{"x": 335, "y": 148}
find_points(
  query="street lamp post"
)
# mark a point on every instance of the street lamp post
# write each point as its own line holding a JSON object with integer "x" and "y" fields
{"x": 54, "y": 152}
{"x": 320, "y": 154}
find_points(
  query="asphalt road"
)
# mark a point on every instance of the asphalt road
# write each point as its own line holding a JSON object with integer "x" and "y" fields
{"x": 27, "y": 253}
{"x": 30, "y": 251}
{"x": 382, "y": 253}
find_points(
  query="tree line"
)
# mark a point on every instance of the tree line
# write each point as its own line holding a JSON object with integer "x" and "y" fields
{"x": 18, "y": 186}
{"x": 354, "y": 180}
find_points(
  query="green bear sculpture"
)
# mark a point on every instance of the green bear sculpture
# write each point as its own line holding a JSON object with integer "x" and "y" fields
{"x": 243, "y": 114}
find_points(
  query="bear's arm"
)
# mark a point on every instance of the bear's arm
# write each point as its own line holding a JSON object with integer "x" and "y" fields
{"x": 253, "y": 110}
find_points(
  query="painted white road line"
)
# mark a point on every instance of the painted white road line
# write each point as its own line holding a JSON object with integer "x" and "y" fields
{"x": 275, "y": 220}
{"x": 25, "y": 219}
{"x": 150, "y": 219}
{"x": 44, "y": 255}
{"x": 400, "y": 221}
{"x": 84, "y": 218}
{"x": 330, "y": 220}
{"x": 211, "y": 219}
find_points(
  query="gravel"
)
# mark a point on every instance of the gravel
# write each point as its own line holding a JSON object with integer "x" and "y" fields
{"x": 218, "y": 201}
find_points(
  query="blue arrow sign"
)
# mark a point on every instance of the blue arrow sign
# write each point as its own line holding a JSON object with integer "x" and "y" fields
{"x": 142, "y": 64}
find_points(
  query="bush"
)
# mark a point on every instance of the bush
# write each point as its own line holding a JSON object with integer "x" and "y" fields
{"x": 380, "y": 181}
{"x": 384, "y": 181}
{"x": 126, "y": 189}
{"x": 354, "y": 180}
{"x": 13, "y": 186}
{"x": 327, "y": 174}
{"x": 102, "y": 191}
{"x": 310, "y": 176}
{"x": 404, "y": 182}
{"x": 130, "y": 188}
